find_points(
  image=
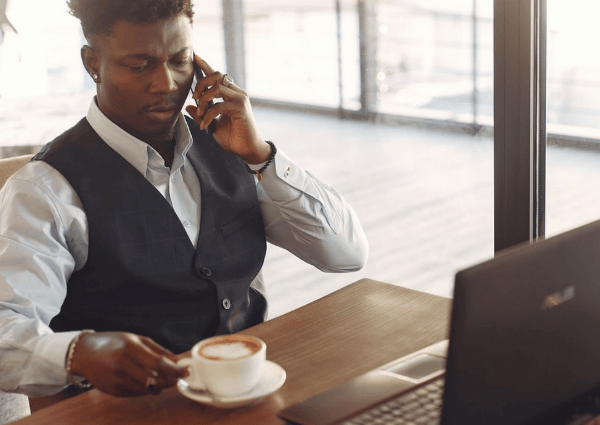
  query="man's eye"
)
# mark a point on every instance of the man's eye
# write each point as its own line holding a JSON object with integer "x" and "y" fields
{"x": 139, "y": 68}
{"x": 181, "y": 62}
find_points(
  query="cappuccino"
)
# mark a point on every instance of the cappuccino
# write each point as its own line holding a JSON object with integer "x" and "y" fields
{"x": 226, "y": 365}
{"x": 229, "y": 347}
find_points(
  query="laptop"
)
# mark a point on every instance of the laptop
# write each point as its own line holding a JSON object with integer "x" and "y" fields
{"x": 524, "y": 348}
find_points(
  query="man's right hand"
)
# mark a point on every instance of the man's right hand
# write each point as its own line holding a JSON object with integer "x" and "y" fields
{"x": 122, "y": 364}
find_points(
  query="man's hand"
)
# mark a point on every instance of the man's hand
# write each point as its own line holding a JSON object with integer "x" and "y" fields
{"x": 235, "y": 128}
{"x": 122, "y": 364}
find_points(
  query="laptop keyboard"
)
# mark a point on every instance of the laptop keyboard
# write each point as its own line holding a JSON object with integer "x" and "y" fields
{"x": 421, "y": 406}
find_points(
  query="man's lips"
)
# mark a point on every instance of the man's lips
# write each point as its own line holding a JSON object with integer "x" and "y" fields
{"x": 162, "y": 107}
{"x": 163, "y": 112}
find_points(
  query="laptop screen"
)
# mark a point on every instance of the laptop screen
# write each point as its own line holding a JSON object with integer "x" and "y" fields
{"x": 524, "y": 333}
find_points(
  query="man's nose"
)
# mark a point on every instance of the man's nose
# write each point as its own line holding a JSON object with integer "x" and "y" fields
{"x": 163, "y": 80}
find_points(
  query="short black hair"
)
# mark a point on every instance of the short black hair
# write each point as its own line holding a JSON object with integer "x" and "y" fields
{"x": 98, "y": 17}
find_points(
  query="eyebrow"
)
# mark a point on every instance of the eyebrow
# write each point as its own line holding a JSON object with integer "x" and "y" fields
{"x": 150, "y": 57}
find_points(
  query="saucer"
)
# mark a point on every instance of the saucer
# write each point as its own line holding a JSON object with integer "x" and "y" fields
{"x": 271, "y": 380}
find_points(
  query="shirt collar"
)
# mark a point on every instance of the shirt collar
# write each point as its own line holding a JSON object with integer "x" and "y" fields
{"x": 132, "y": 149}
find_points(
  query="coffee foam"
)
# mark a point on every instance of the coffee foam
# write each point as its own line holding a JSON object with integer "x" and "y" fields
{"x": 226, "y": 350}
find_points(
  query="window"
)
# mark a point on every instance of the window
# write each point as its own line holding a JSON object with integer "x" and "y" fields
{"x": 389, "y": 101}
{"x": 573, "y": 111}
{"x": 546, "y": 133}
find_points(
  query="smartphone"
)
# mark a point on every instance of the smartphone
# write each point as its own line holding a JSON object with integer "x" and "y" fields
{"x": 198, "y": 74}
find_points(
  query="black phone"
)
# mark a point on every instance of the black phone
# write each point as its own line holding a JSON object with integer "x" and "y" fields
{"x": 198, "y": 73}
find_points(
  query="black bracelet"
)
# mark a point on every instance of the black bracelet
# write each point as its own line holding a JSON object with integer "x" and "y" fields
{"x": 264, "y": 167}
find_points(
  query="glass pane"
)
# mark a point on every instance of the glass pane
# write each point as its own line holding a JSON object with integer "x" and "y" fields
{"x": 426, "y": 61}
{"x": 41, "y": 74}
{"x": 41, "y": 71}
{"x": 209, "y": 41}
{"x": 573, "y": 111}
{"x": 42, "y": 58}
{"x": 424, "y": 194}
{"x": 291, "y": 51}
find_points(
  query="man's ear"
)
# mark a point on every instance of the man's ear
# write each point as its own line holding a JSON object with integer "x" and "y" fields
{"x": 90, "y": 59}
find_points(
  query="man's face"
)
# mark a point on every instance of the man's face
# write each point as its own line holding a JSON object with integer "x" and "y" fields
{"x": 146, "y": 71}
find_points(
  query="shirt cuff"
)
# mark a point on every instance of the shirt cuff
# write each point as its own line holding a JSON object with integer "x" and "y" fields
{"x": 51, "y": 350}
{"x": 281, "y": 172}
{"x": 256, "y": 167}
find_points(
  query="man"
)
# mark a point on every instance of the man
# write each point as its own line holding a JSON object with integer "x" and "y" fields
{"x": 138, "y": 224}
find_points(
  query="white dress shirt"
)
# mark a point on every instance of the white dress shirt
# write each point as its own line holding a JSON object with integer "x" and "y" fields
{"x": 44, "y": 239}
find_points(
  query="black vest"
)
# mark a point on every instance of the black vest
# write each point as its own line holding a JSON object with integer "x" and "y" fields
{"x": 143, "y": 274}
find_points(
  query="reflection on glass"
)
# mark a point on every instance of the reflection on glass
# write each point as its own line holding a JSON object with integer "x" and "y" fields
{"x": 573, "y": 113}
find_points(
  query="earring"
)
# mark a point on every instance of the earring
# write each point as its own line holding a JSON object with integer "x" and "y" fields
{"x": 95, "y": 76}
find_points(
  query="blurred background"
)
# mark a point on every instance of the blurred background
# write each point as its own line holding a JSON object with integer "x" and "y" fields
{"x": 389, "y": 101}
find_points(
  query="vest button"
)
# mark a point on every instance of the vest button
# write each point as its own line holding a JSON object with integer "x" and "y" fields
{"x": 226, "y": 303}
{"x": 206, "y": 271}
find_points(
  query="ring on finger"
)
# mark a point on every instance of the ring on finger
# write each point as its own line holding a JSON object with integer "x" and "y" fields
{"x": 227, "y": 80}
{"x": 151, "y": 383}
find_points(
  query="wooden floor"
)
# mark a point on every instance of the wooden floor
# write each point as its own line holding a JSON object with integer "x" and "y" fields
{"x": 425, "y": 198}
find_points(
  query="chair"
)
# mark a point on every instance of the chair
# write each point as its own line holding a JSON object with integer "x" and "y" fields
{"x": 9, "y": 166}
{"x": 12, "y": 406}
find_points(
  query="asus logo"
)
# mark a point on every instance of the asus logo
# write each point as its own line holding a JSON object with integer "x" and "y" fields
{"x": 558, "y": 298}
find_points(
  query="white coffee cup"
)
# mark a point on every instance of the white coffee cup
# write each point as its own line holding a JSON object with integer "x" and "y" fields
{"x": 226, "y": 365}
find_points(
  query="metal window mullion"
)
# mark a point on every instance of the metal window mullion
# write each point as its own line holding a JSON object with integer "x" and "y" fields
{"x": 368, "y": 56}
{"x": 338, "y": 23}
{"x": 539, "y": 158}
{"x": 519, "y": 95}
{"x": 233, "y": 28}
{"x": 474, "y": 70}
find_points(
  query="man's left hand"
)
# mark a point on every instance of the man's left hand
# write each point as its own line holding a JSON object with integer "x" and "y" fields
{"x": 235, "y": 128}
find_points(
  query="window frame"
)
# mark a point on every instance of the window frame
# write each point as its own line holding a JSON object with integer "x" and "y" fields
{"x": 519, "y": 121}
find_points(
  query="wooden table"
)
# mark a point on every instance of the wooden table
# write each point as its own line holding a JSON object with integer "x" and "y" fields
{"x": 320, "y": 345}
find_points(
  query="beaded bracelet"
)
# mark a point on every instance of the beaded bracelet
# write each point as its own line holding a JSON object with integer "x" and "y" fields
{"x": 69, "y": 360}
{"x": 264, "y": 167}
